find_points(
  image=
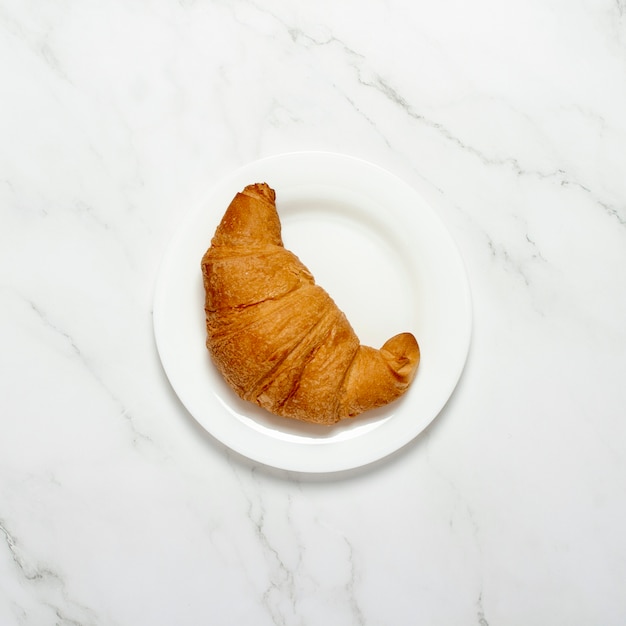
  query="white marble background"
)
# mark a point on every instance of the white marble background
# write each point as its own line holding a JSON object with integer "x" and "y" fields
{"x": 116, "y": 508}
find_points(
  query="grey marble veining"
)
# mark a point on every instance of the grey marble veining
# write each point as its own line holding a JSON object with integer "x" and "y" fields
{"x": 116, "y": 508}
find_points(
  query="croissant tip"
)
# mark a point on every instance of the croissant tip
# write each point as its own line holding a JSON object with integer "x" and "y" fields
{"x": 402, "y": 353}
{"x": 260, "y": 190}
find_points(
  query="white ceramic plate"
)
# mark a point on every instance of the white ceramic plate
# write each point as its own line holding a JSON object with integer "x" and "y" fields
{"x": 388, "y": 262}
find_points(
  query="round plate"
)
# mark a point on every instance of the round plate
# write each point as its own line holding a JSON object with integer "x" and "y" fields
{"x": 388, "y": 262}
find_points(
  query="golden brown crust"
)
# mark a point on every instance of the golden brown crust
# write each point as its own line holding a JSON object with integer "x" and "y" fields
{"x": 278, "y": 339}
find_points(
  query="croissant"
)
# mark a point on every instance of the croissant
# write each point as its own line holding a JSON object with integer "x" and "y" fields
{"x": 277, "y": 338}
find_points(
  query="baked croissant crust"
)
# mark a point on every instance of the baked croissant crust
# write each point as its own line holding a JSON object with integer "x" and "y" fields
{"x": 277, "y": 338}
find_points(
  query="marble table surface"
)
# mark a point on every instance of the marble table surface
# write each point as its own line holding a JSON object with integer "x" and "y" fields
{"x": 117, "y": 508}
